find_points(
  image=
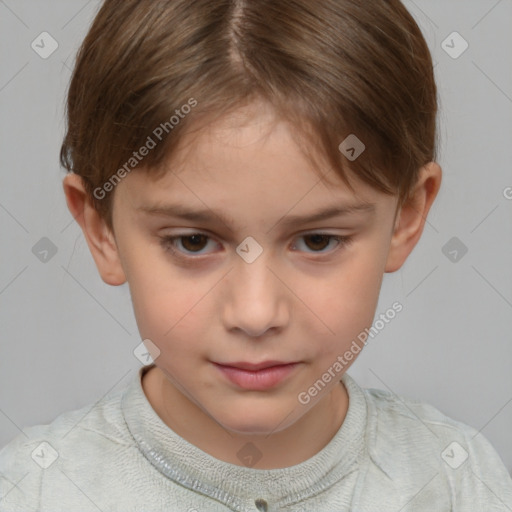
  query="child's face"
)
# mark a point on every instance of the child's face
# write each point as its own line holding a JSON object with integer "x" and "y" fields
{"x": 304, "y": 299}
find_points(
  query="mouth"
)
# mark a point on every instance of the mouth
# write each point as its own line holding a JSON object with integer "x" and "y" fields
{"x": 253, "y": 367}
{"x": 257, "y": 376}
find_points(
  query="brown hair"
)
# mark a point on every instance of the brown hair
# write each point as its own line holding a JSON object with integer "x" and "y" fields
{"x": 330, "y": 67}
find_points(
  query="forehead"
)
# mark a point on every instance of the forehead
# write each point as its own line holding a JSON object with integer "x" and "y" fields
{"x": 248, "y": 163}
{"x": 250, "y": 138}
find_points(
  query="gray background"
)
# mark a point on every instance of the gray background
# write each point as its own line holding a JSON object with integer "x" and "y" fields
{"x": 67, "y": 339}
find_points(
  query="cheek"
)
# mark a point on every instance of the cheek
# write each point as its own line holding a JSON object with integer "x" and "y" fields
{"x": 168, "y": 321}
{"x": 152, "y": 293}
{"x": 168, "y": 307}
{"x": 335, "y": 304}
{"x": 345, "y": 300}
{"x": 160, "y": 311}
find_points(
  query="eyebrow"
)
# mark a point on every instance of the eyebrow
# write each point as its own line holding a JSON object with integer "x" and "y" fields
{"x": 207, "y": 216}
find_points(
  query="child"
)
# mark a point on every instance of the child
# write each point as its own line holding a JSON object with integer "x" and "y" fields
{"x": 252, "y": 169}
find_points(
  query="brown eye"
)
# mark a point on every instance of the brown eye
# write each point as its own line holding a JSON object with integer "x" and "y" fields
{"x": 191, "y": 246}
{"x": 193, "y": 243}
{"x": 186, "y": 244}
{"x": 318, "y": 242}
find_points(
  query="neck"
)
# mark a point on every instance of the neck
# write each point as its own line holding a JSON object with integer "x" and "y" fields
{"x": 288, "y": 447}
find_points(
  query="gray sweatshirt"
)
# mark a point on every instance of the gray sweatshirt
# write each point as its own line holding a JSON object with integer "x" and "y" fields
{"x": 390, "y": 454}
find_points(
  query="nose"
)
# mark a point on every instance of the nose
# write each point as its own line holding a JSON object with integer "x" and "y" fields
{"x": 255, "y": 300}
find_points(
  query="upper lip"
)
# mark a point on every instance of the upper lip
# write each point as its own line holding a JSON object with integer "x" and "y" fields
{"x": 255, "y": 366}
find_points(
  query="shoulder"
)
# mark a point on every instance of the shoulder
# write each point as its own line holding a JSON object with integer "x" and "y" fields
{"x": 33, "y": 459}
{"x": 410, "y": 441}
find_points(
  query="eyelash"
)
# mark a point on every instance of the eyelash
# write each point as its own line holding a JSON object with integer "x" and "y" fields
{"x": 168, "y": 243}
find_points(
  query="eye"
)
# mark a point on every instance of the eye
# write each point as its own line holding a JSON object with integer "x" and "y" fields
{"x": 192, "y": 243}
{"x": 319, "y": 241}
{"x": 184, "y": 245}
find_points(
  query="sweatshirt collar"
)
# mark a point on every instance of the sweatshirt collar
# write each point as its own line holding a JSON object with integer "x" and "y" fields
{"x": 240, "y": 487}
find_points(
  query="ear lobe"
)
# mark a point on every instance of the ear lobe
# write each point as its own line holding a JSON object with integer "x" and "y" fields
{"x": 412, "y": 216}
{"x": 99, "y": 237}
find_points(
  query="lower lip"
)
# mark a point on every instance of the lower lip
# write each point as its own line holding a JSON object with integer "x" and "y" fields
{"x": 257, "y": 380}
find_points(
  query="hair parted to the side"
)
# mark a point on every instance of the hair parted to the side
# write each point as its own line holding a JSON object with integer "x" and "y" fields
{"x": 330, "y": 67}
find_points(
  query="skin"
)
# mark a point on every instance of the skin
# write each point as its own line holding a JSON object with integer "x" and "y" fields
{"x": 303, "y": 299}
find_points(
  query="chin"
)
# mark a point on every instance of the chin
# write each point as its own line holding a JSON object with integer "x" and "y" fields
{"x": 254, "y": 424}
{"x": 251, "y": 429}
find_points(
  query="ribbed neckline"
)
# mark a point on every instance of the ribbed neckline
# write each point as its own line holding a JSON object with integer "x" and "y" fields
{"x": 234, "y": 485}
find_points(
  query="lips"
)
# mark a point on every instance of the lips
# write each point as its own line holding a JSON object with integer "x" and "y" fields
{"x": 257, "y": 376}
{"x": 253, "y": 367}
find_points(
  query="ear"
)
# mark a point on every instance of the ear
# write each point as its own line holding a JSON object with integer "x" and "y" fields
{"x": 411, "y": 217}
{"x": 99, "y": 238}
